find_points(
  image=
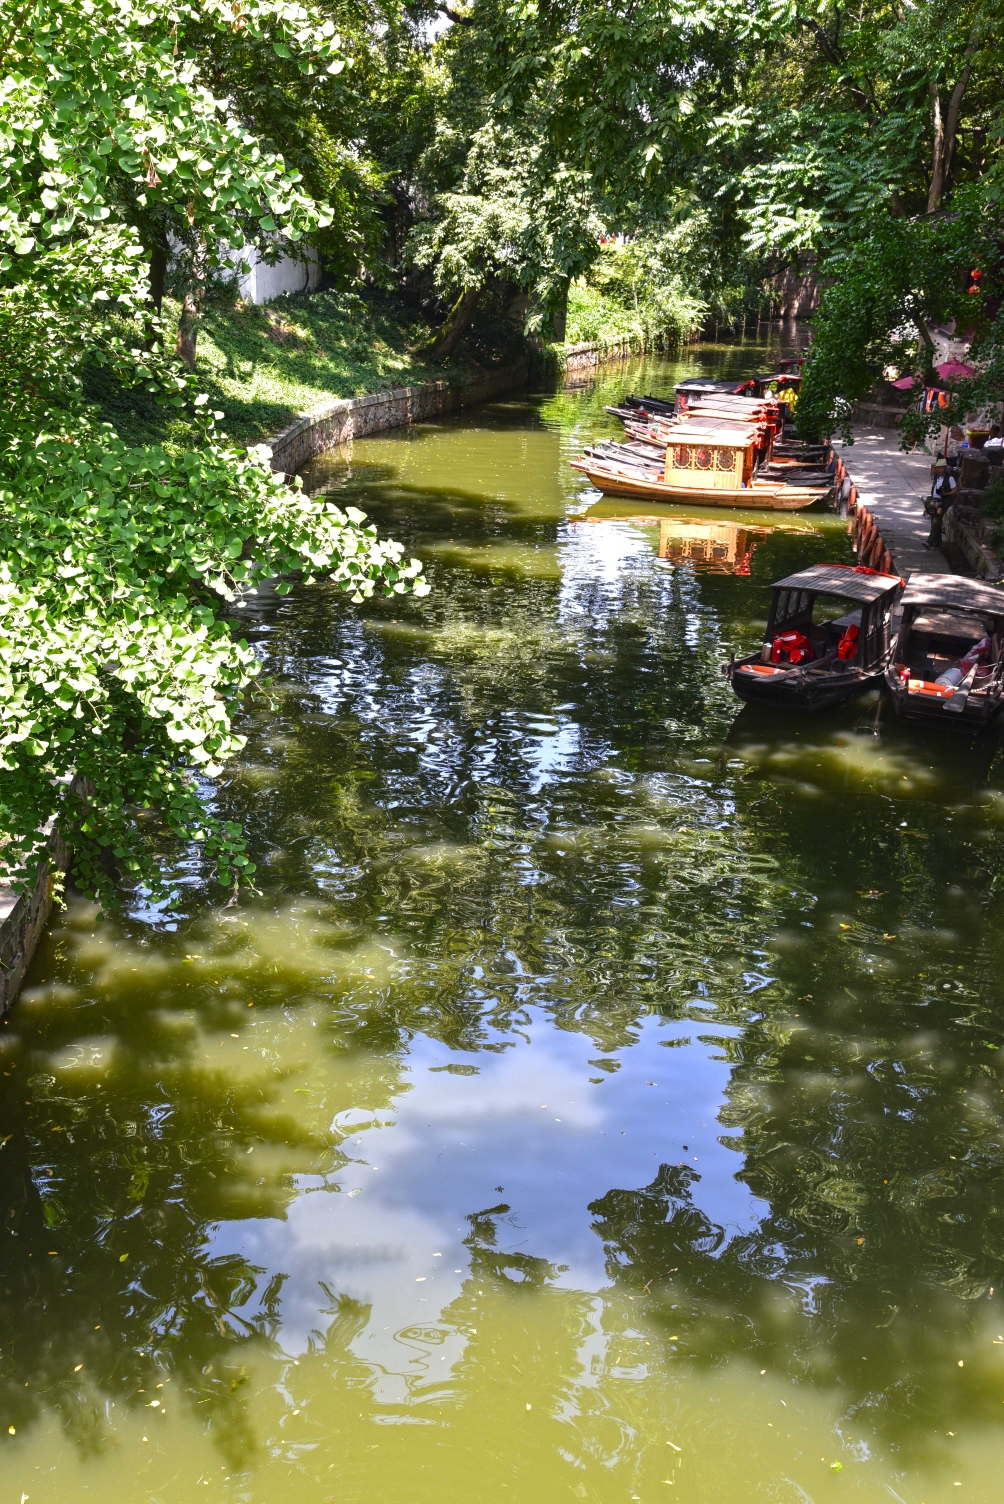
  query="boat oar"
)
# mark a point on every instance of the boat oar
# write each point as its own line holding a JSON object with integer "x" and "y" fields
{"x": 957, "y": 703}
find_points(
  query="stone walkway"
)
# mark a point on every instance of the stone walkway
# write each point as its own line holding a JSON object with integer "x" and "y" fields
{"x": 892, "y": 485}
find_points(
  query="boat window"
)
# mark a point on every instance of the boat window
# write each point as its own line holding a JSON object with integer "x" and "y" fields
{"x": 826, "y": 609}
{"x": 792, "y": 603}
{"x": 701, "y": 457}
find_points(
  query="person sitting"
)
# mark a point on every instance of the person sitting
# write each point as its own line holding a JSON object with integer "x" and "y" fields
{"x": 943, "y": 488}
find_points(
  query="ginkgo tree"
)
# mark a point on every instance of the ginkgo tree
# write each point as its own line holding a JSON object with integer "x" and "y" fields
{"x": 119, "y": 673}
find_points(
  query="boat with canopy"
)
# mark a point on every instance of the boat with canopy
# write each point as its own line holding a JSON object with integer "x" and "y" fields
{"x": 700, "y": 459}
{"x": 948, "y": 666}
{"x": 829, "y": 636}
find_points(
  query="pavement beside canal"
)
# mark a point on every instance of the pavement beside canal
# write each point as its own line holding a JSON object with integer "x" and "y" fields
{"x": 893, "y": 485}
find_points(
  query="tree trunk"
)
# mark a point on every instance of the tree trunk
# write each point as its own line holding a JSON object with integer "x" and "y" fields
{"x": 457, "y": 323}
{"x": 191, "y": 308}
{"x": 955, "y": 107}
{"x": 937, "y": 187}
{"x": 930, "y": 374}
{"x": 158, "y": 274}
{"x": 559, "y": 315}
{"x": 945, "y": 134}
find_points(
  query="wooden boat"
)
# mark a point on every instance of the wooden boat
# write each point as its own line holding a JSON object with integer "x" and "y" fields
{"x": 771, "y": 382}
{"x": 774, "y": 459}
{"x": 713, "y": 466}
{"x": 948, "y": 665}
{"x": 774, "y": 496}
{"x": 810, "y": 658}
{"x": 660, "y": 428}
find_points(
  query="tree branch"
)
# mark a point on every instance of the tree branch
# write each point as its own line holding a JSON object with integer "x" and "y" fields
{"x": 833, "y": 54}
{"x": 455, "y": 15}
{"x": 822, "y": 40}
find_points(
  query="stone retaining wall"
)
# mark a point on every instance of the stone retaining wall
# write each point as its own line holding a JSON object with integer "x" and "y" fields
{"x": 585, "y": 357}
{"x": 961, "y": 531}
{"x": 352, "y": 417}
{"x": 878, "y": 415}
{"x": 23, "y": 917}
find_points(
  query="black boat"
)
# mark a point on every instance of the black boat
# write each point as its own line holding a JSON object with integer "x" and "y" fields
{"x": 947, "y": 664}
{"x": 815, "y": 651}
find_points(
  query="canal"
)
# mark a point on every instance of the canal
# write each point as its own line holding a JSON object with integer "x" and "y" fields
{"x": 531, "y": 883}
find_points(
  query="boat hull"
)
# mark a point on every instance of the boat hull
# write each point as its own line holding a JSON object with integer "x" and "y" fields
{"x": 771, "y": 498}
{"x": 807, "y": 692}
{"x": 927, "y": 709}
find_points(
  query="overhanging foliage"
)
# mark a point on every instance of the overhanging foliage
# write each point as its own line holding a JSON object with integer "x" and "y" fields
{"x": 114, "y": 664}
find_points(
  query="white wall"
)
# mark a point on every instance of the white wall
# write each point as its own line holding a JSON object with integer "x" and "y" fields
{"x": 262, "y": 282}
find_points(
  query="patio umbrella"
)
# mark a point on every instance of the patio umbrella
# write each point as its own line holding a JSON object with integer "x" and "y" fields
{"x": 905, "y": 383}
{"x": 950, "y": 368}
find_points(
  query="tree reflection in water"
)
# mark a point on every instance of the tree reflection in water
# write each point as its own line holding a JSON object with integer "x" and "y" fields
{"x": 880, "y": 1264}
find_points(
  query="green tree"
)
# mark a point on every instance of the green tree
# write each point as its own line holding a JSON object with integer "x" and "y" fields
{"x": 114, "y": 666}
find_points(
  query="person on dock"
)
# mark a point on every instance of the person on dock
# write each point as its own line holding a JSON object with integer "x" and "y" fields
{"x": 942, "y": 492}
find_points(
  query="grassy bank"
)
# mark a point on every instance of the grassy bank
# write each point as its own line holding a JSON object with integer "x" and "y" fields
{"x": 264, "y": 366}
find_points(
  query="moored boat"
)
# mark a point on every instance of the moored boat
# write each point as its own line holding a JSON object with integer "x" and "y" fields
{"x": 814, "y": 653}
{"x": 947, "y": 666}
{"x": 713, "y": 464}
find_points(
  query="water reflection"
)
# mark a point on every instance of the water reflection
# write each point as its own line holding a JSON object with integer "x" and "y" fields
{"x": 600, "y": 1072}
{"x": 712, "y": 546}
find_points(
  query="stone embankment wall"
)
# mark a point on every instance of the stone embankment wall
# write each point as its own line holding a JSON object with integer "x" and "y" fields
{"x": 350, "y": 418}
{"x": 23, "y": 917}
{"x": 586, "y": 357}
{"x": 878, "y": 415}
{"x": 962, "y": 527}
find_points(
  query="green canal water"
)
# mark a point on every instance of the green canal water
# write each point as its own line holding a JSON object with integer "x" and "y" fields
{"x": 622, "y": 1114}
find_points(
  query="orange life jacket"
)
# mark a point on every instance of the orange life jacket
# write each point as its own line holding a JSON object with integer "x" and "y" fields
{"x": 790, "y": 647}
{"x": 848, "y": 644}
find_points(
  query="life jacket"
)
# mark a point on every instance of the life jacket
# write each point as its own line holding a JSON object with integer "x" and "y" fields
{"x": 848, "y": 644}
{"x": 790, "y": 647}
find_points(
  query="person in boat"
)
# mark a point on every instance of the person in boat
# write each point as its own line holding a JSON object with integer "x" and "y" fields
{"x": 943, "y": 488}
